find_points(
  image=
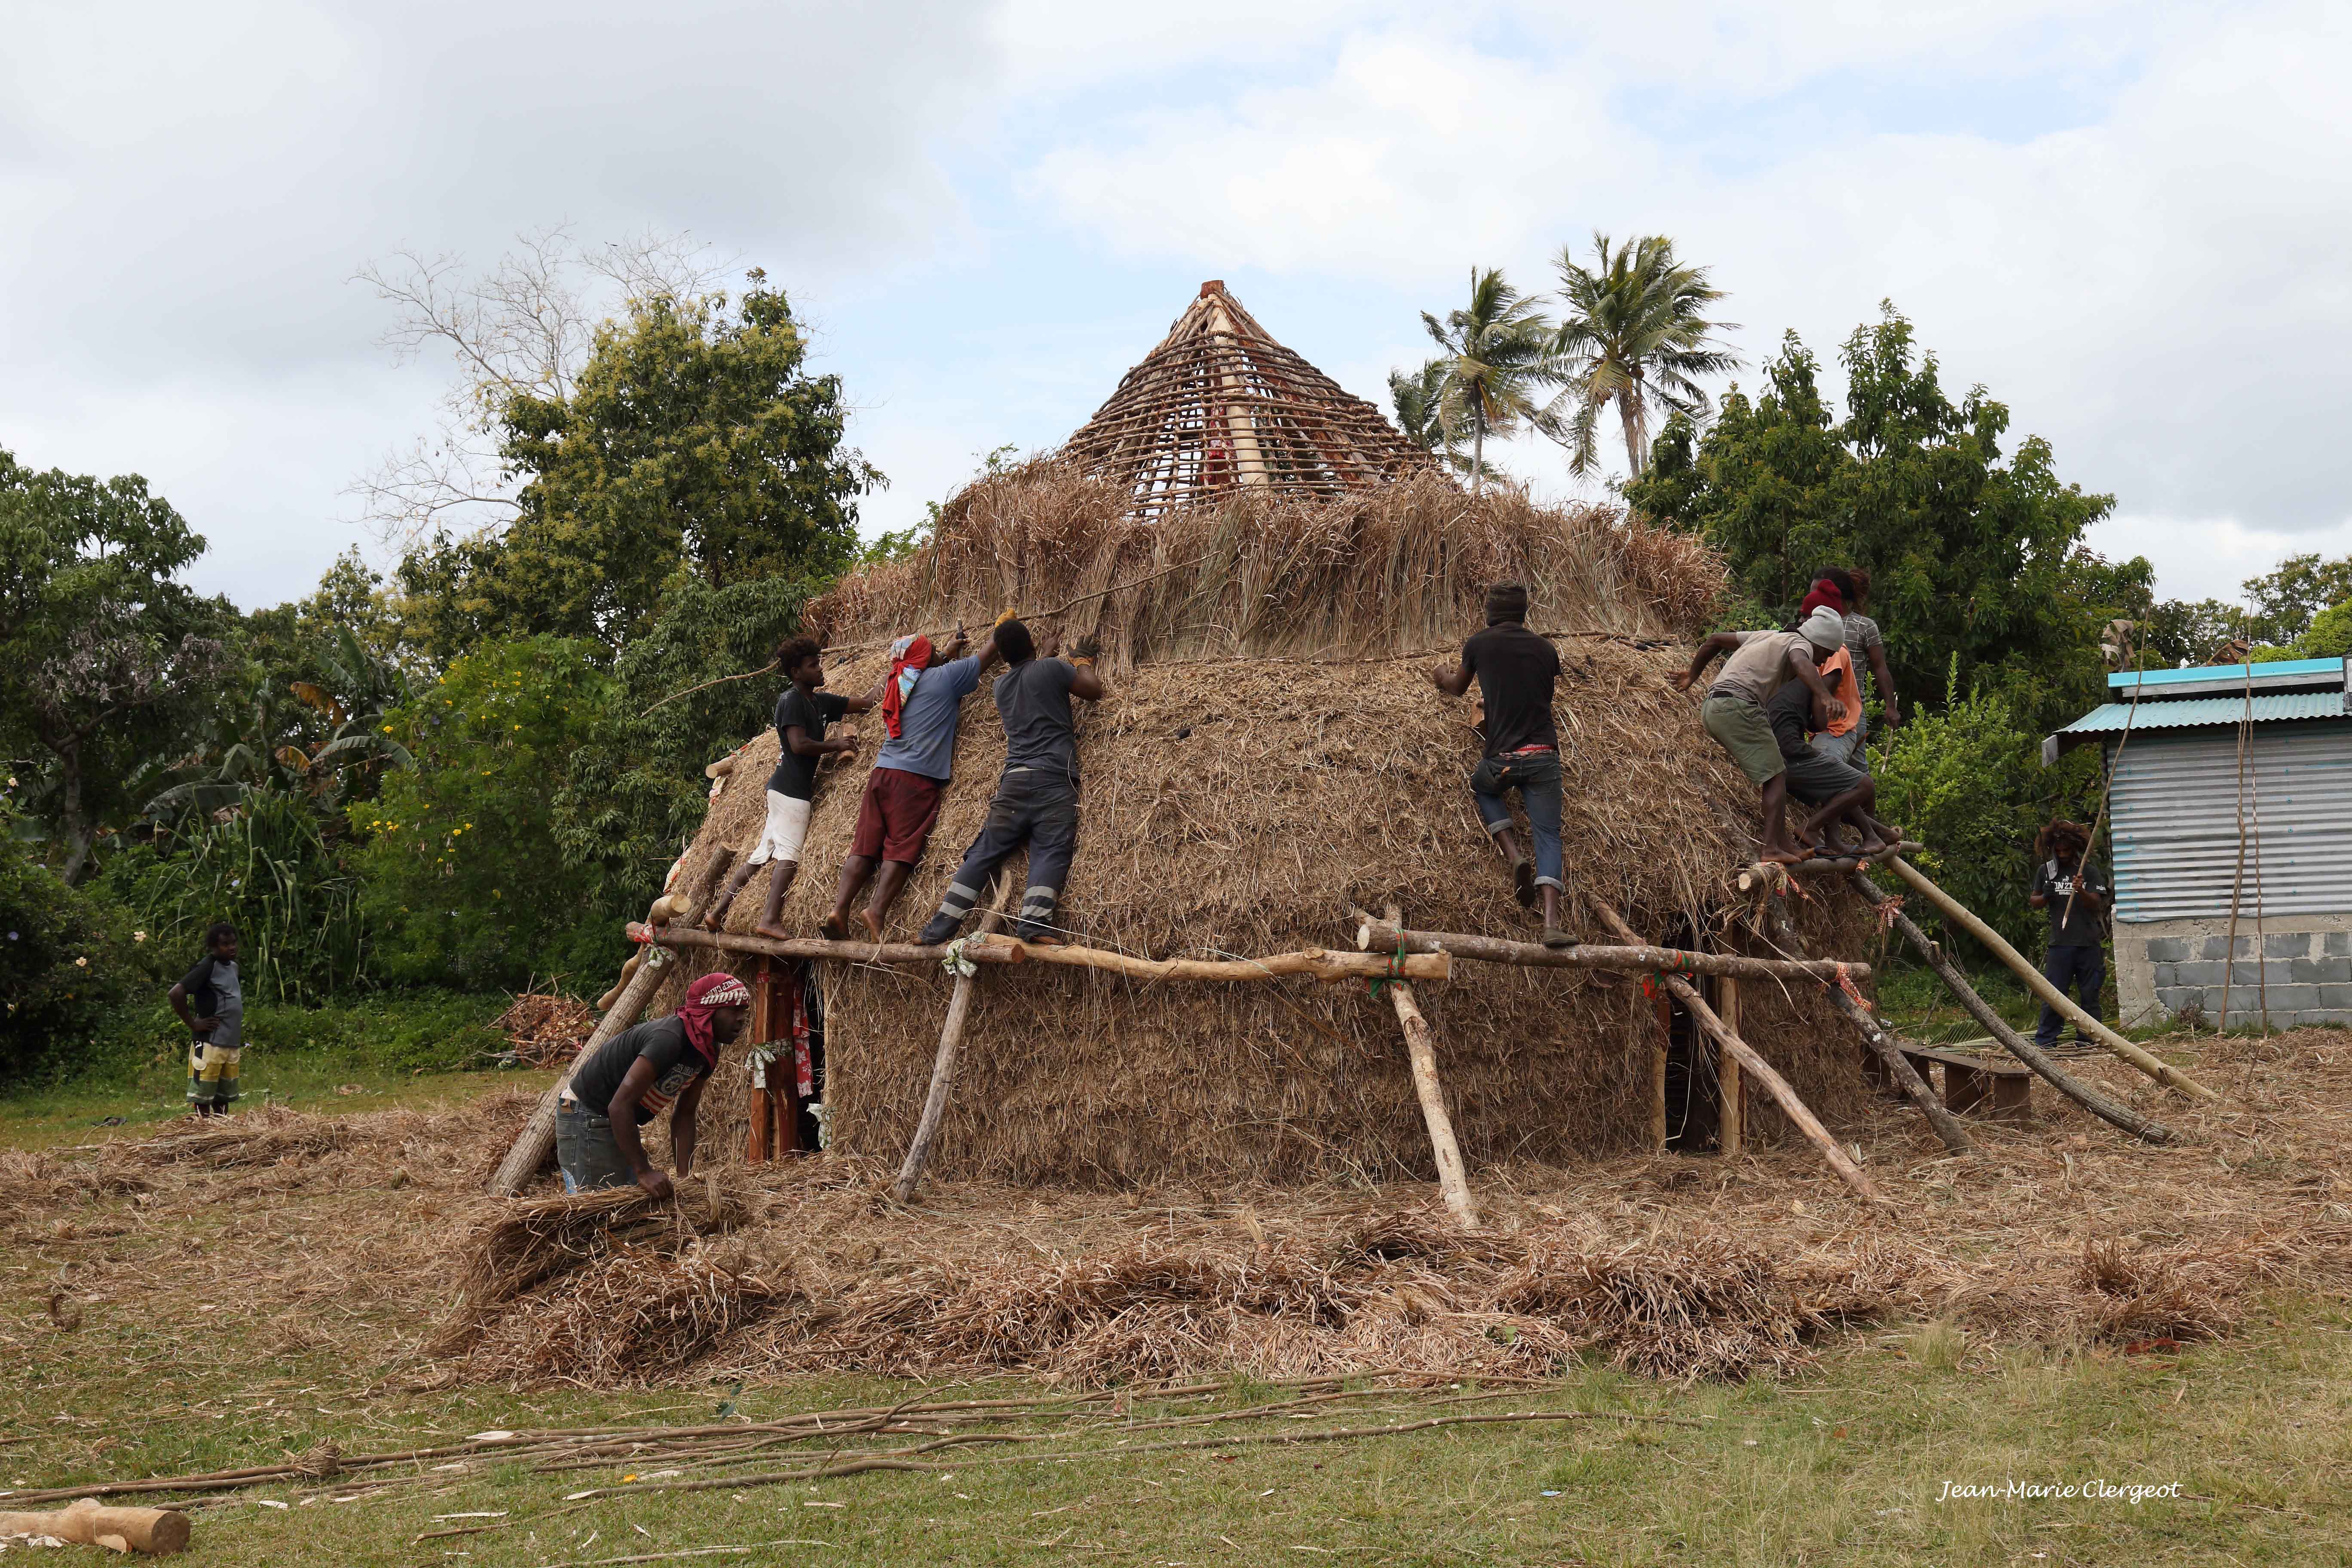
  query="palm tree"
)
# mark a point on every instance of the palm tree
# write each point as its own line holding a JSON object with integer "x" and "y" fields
{"x": 1499, "y": 355}
{"x": 1635, "y": 334}
{"x": 1415, "y": 398}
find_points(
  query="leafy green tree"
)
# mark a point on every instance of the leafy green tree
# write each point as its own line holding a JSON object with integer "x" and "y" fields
{"x": 2329, "y": 634}
{"x": 693, "y": 436}
{"x": 1973, "y": 555}
{"x": 2182, "y": 632}
{"x": 635, "y": 793}
{"x": 1498, "y": 361}
{"x": 68, "y": 958}
{"x": 106, "y": 660}
{"x": 1635, "y": 334}
{"x": 1416, "y": 398}
{"x": 2286, "y": 597}
{"x": 465, "y": 882}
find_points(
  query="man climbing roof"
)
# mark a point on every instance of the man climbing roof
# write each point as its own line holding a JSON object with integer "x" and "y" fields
{"x": 1036, "y": 801}
{"x": 1516, "y": 672}
{"x": 1761, "y": 663}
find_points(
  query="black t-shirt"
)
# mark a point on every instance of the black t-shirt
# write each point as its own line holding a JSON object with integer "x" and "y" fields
{"x": 1516, "y": 671}
{"x": 1790, "y": 711}
{"x": 661, "y": 1042}
{"x": 2084, "y": 927}
{"x": 795, "y": 775}
{"x": 1033, "y": 699}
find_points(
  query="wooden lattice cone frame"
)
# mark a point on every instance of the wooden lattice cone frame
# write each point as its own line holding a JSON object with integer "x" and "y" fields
{"x": 1220, "y": 404}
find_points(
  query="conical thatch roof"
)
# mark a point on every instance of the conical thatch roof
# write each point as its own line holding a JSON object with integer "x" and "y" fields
{"x": 1220, "y": 405}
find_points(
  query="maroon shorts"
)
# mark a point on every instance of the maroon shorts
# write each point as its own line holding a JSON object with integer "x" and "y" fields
{"x": 895, "y": 815}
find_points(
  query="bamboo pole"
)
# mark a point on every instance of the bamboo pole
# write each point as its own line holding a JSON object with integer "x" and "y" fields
{"x": 2038, "y": 983}
{"x": 1421, "y": 1045}
{"x": 1381, "y": 936}
{"x": 1898, "y": 1066}
{"x": 935, "y": 1100}
{"x": 984, "y": 947}
{"x": 86, "y": 1521}
{"x": 1994, "y": 1024}
{"x": 536, "y": 1141}
{"x": 1761, "y": 1071}
{"x": 1729, "y": 1092}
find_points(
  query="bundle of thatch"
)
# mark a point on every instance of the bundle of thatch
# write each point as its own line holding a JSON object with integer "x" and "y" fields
{"x": 1271, "y": 751}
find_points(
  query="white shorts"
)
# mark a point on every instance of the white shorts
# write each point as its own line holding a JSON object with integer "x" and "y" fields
{"x": 787, "y": 825}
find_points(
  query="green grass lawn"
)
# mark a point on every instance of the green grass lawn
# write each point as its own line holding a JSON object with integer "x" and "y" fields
{"x": 1849, "y": 1466}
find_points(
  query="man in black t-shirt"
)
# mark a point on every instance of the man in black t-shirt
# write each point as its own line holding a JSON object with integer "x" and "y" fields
{"x": 1516, "y": 671}
{"x": 211, "y": 1002}
{"x": 2067, "y": 887}
{"x": 802, "y": 714}
{"x": 1839, "y": 791}
{"x": 660, "y": 1065}
{"x": 1036, "y": 800}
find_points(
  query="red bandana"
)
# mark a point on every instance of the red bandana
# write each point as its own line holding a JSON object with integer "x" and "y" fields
{"x": 718, "y": 989}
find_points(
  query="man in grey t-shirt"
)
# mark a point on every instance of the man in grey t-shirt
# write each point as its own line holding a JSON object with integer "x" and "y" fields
{"x": 211, "y": 1002}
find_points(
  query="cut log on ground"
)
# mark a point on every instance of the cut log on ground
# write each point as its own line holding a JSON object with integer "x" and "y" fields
{"x": 1380, "y": 936}
{"x": 1761, "y": 1071}
{"x": 1997, "y": 1027}
{"x": 1898, "y": 1067}
{"x": 159, "y": 1532}
{"x": 1420, "y": 1045}
{"x": 1819, "y": 865}
{"x": 536, "y": 1139}
{"x": 935, "y": 1100}
{"x": 2038, "y": 983}
{"x": 984, "y": 947}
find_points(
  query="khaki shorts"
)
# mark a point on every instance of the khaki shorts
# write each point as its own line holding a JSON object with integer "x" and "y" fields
{"x": 1741, "y": 728}
{"x": 787, "y": 825}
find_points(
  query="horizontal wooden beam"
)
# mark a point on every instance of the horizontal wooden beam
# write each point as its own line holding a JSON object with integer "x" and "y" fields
{"x": 1821, "y": 866}
{"x": 1315, "y": 962}
{"x": 1384, "y": 938}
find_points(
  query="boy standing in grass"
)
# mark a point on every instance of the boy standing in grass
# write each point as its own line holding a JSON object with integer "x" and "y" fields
{"x": 210, "y": 1003}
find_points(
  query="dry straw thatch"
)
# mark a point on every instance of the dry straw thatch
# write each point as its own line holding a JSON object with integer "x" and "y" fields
{"x": 1272, "y": 750}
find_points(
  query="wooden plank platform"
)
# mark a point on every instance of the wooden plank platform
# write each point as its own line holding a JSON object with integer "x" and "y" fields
{"x": 1970, "y": 1082}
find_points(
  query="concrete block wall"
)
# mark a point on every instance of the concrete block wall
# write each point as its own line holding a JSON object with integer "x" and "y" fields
{"x": 2305, "y": 973}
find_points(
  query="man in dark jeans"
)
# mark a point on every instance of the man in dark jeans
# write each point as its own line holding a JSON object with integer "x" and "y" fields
{"x": 1036, "y": 800}
{"x": 1516, "y": 671}
{"x": 2067, "y": 887}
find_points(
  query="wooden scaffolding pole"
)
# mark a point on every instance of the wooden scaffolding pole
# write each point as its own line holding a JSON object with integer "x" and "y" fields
{"x": 2038, "y": 983}
{"x": 1385, "y": 936}
{"x": 1730, "y": 1092}
{"x": 935, "y": 1100}
{"x": 1759, "y": 1070}
{"x": 1898, "y": 1066}
{"x": 1421, "y": 1045}
{"x": 1993, "y": 1024}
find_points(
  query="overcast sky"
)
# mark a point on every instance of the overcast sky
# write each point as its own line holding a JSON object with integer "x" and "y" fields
{"x": 2127, "y": 221}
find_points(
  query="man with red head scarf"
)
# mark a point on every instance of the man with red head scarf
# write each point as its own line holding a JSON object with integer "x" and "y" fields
{"x": 659, "y": 1065}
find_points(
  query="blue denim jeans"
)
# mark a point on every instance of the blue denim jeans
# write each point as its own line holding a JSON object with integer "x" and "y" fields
{"x": 1536, "y": 775}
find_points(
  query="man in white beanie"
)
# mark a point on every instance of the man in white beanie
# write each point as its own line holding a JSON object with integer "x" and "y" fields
{"x": 1760, "y": 664}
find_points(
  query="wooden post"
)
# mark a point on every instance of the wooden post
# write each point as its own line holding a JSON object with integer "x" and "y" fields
{"x": 1891, "y": 1061}
{"x": 536, "y": 1141}
{"x": 86, "y": 1521}
{"x": 1993, "y": 1024}
{"x": 2038, "y": 983}
{"x": 1729, "y": 1116}
{"x": 934, "y": 1102}
{"x": 1665, "y": 1009}
{"x": 1421, "y": 1045}
{"x": 1761, "y": 1071}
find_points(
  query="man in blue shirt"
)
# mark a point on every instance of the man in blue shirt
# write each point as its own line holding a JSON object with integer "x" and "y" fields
{"x": 922, "y": 706}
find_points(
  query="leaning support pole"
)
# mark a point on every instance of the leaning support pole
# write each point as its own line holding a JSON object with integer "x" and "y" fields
{"x": 2091, "y": 1100}
{"x": 536, "y": 1139}
{"x": 1898, "y": 1066}
{"x": 935, "y": 1101}
{"x": 1420, "y": 1045}
{"x": 2038, "y": 983}
{"x": 1383, "y": 936}
{"x": 1759, "y": 1070}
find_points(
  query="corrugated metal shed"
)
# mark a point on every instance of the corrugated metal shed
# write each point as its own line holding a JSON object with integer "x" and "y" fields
{"x": 2222, "y": 680}
{"x": 2175, "y": 806}
{"x": 2198, "y": 712}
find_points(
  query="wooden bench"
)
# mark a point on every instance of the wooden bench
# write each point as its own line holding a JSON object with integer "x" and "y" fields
{"x": 1968, "y": 1080}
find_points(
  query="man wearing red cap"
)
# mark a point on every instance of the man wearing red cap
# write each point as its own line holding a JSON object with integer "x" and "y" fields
{"x": 660, "y": 1064}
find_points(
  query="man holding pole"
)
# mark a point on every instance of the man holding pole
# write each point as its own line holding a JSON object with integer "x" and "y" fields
{"x": 2066, "y": 886}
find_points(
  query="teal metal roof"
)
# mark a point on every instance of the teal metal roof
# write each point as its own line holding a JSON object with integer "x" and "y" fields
{"x": 2204, "y": 712}
{"x": 2216, "y": 679}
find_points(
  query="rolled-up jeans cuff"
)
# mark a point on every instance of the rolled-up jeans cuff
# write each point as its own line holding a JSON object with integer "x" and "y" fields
{"x": 1494, "y": 811}
{"x": 1551, "y": 882}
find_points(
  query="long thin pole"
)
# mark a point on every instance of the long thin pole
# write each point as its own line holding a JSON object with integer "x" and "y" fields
{"x": 2038, "y": 983}
{"x": 1798, "y": 1113}
{"x": 1993, "y": 1024}
{"x": 1420, "y": 1045}
{"x": 935, "y": 1101}
{"x": 1385, "y": 937}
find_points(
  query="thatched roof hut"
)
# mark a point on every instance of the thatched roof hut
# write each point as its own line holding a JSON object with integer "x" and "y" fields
{"x": 1272, "y": 751}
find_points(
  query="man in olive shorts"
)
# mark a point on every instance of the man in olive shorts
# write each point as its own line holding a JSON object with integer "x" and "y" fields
{"x": 1762, "y": 662}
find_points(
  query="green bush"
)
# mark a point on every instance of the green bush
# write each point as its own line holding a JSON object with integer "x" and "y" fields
{"x": 463, "y": 882}
{"x": 1965, "y": 782}
{"x": 69, "y": 959}
{"x": 2330, "y": 635}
